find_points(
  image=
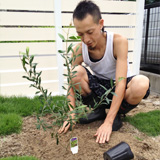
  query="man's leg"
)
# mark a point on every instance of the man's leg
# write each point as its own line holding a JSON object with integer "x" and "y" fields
{"x": 81, "y": 77}
{"x": 82, "y": 80}
{"x": 137, "y": 89}
{"x": 88, "y": 96}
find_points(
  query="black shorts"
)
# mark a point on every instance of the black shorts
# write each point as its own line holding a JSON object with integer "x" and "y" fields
{"x": 96, "y": 84}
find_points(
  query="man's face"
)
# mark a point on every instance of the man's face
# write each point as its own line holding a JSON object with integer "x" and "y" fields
{"x": 88, "y": 30}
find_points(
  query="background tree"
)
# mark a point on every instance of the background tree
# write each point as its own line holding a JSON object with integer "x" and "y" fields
{"x": 148, "y": 1}
{"x": 151, "y": 1}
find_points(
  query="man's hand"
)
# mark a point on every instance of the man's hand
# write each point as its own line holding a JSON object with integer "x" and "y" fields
{"x": 103, "y": 133}
{"x": 66, "y": 126}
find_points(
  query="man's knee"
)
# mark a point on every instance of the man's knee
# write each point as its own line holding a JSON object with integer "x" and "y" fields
{"x": 78, "y": 73}
{"x": 139, "y": 85}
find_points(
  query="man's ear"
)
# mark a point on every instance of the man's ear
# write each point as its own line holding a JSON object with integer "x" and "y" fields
{"x": 101, "y": 23}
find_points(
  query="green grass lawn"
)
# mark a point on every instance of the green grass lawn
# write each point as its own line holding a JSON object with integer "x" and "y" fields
{"x": 148, "y": 123}
{"x": 24, "y": 106}
{"x": 20, "y": 105}
{"x": 10, "y": 123}
{"x": 12, "y": 109}
{"x": 19, "y": 158}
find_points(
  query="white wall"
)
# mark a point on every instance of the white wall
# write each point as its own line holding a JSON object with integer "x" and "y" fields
{"x": 33, "y": 22}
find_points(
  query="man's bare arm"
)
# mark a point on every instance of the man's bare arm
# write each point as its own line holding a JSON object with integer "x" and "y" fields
{"x": 120, "y": 53}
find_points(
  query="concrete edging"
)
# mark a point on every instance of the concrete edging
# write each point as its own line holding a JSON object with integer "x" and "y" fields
{"x": 154, "y": 81}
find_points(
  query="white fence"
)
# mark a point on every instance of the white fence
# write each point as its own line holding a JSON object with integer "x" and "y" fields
{"x": 35, "y": 23}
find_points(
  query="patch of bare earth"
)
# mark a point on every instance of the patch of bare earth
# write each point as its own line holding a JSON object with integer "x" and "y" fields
{"x": 39, "y": 143}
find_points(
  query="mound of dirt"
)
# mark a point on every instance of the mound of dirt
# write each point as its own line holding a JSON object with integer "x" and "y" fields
{"x": 39, "y": 143}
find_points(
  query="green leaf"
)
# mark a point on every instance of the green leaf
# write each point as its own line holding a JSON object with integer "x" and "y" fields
{"x": 74, "y": 67}
{"x": 70, "y": 86}
{"x": 65, "y": 75}
{"x": 23, "y": 62}
{"x": 45, "y": 92}
{"x": 108, "y": 91}
{"x": 70, "y": 60}
{"x": 30, "y": 79}
{"x": 53, "y": 107}
{"x": 24, "y": 56}
{"x": 67, "y": 124}
{"x": 44, "y": 127}
{"x": 78, "y": 55}
{"x": 63, "y": 56}
{"x": 34, "y": 64}
{"x": 120, "y": 78}
{"x": 38, "y": 126}
{"x": 48, "y": 126}
{"x": 31, "y": 59}
{"x": 104, "y": 88}
{"x": 25, "y": 69}
{"x": 30, "y": 72}
{"x": 64, "y": 88}
{"x": 73, "y": 37}
{"x": 27, "y": 51}
{"x": 52, "y": 134}
{"x": 61, "y": 36}
{"x": 77, "y": 84}
{"x": 39, "y": 73}
{"x": 32, "y": 85}
{"x": 77, "y": 111}
{"x": 25, "y": 77}
{"x": 68, "y": 80}
{"x": 78, "y": 37}
{"x": 50, "y": 94}
{"x": 61, "y": 51}
{"x": 111, "y": 82}
{"x": 114, "y": 93}
{"x": 39, "y": 81}
{"x": 74, "y": 72}
{"x": 107, "y": 100}
{"x": 77, "y": 48}
{"x": 22, "y": 53}
{"x": 71, "y": 106}
{"x": 83, "y": 106}
{"x": 34, "y": 67}
{"x": 57, "y": 139}
{"x": 37, "y": 92}
{"x": 70, "y": 48}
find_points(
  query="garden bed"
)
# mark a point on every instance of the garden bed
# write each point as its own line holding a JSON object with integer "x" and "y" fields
{"x": 40, "y": 144}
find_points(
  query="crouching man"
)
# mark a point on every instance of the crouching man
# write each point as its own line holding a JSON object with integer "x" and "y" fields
{"x": 106, "y": 55}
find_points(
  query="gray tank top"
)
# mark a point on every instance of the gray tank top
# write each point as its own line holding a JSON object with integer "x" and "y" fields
{"x": 106, "y": 67}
